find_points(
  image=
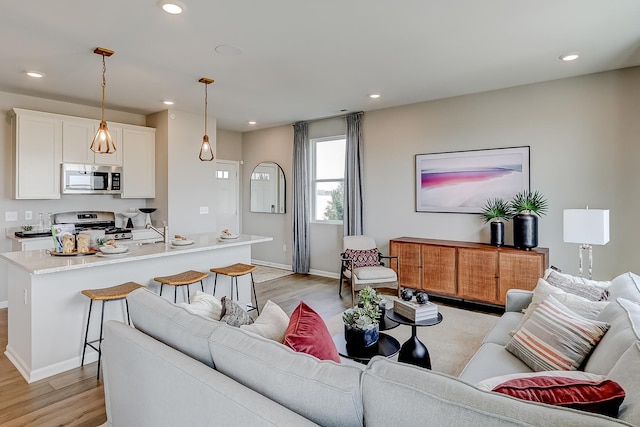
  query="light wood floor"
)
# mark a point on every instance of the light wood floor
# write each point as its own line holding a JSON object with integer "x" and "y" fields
{"x": 76, "y": 398}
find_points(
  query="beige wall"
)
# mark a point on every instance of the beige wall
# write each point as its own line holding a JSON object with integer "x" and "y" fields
{"x": 583, "y": 133}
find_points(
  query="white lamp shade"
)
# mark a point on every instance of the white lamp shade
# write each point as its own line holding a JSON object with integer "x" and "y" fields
{"x": 588, "y": 226}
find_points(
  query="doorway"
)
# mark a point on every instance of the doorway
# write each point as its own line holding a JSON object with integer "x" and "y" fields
{"x": 227, "y": 188}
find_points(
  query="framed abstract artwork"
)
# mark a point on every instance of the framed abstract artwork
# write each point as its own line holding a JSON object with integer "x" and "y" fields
{"x": 462, "y": 181}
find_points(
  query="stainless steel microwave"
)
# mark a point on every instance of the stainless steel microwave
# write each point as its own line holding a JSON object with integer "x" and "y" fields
{"x": 91, "y": 179}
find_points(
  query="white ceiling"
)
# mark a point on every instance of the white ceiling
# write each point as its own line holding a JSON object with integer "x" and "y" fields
{"x": 304, "y": 59}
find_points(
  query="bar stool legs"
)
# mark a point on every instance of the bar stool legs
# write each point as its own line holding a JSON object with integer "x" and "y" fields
{"x": 113, "y": 293}
{"x": 233, "y": 271}
{"x": 185, "y": 278}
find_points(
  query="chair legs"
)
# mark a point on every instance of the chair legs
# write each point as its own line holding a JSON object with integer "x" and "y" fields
{"x": 99, "y": 340}
{"x": 234, "y": 279}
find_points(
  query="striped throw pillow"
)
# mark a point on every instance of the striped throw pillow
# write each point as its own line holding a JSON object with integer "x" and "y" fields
{"x": 555, "y": 338}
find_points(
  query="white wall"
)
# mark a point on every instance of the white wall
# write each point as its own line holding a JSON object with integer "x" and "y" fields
{"x": 583, "y": 133}
{"x": 66, "y": 203}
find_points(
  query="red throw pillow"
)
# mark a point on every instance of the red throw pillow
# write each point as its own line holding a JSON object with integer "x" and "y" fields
{"x": 602, "y": 397}
{"x": 307, "y": 333}
{"x": 363, "y": 258}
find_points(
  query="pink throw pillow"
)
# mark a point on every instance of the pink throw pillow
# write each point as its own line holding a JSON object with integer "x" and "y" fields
{"x": 363, "y": 258}
{"x": 307, "y": 333}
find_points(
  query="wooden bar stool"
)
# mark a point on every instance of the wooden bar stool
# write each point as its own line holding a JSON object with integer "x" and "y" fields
{"x": 113, "y": 293}
{"x": 234, "y": 271}
{"x": 181, "y": 279}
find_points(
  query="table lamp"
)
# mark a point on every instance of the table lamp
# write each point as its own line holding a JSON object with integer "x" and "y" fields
{"x": 586, "y": 227}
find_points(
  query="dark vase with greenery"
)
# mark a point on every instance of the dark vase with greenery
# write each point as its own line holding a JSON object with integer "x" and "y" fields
{"x": 527, "y": 206}
{"x": 496, "y": 211}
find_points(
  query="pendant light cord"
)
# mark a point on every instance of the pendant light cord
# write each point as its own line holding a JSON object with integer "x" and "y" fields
{"x": 104, "y": 83}
{"x": 206, "y": 103}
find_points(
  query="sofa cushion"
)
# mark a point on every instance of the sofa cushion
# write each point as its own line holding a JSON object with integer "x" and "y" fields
{"x": 627, "y": 286}
{"x": 555, "y": 338}
{"x": 577, "y": 304}
{"x": 398, "y": 394}
{"x": 271, "y": 323}
{"x": 171, "y": 324}
{"x": 624, "y": 319}
{"x": 602, "y": 397}
{"x": 500, "y": 333}
{"x": 323, "y": 391}
{"x": 592, "y": 290}
{"x": 490, "y": 361}
{"x": 234, "y": 315}
{"x": 307, "y": 333}
{"x": 490, "y": 383}
{"x": 626, "y": 372}
{"x": 205, "y": 305}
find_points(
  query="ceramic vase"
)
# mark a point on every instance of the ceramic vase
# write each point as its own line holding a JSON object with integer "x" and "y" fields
{"x": 497, "y": 233}
{"x": 358, "y": 339}
{"x": 525, "y": 231}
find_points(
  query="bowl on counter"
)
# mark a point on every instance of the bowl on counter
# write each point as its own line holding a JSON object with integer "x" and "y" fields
{"x": 110, "y": 249}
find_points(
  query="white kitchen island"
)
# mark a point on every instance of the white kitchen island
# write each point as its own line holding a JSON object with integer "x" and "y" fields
{"x": 48, "y": 314}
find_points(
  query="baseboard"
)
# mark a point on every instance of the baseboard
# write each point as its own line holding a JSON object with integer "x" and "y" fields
{"x": 37, "y": 374}
{"x": 321, "y": 273}
{"x": 4, "y": 304}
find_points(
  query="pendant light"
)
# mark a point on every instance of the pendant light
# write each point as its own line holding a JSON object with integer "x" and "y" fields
{"x": 103, "y": 143}
{"x": 206, "y": 153}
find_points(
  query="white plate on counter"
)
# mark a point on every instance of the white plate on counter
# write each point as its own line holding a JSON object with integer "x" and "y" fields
{"x": 113, "y": 250}
{"x": 182, "y": 242}
{"x": 121, "y": 254}
{"x": 229, "y": 236}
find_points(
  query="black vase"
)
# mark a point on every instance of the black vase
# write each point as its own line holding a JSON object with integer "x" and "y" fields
{"x": 497, "y": 233}
{"x": 525, "y": 231}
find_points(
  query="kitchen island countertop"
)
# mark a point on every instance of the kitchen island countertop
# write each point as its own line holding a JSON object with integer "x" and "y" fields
{"x": 41, "y": 262}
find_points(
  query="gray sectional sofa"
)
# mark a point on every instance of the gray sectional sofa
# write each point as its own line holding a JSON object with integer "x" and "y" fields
{"x": 179, "y": 369}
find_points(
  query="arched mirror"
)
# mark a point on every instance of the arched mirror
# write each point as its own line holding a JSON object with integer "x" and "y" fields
{"x": 267, "y": 188}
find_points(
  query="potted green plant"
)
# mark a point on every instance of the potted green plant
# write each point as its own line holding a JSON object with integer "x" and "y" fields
{"x": 362, "y": 323}
{"x": 496, "y": 211}
{"x": 527, "y": 206}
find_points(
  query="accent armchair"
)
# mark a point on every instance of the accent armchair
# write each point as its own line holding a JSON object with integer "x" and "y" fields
{"x": 362, "y": 265}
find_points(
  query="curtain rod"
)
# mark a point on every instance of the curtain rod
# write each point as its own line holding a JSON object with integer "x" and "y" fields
{"x": 328, "y": 117}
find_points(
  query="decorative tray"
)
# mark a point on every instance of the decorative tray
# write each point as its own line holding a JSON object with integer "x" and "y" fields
{"x": 74, "y": 253}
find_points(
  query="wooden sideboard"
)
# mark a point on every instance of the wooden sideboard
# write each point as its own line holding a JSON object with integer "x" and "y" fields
{"x": 469, "y": 271}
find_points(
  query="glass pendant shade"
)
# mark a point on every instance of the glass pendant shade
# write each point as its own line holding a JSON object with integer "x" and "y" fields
{"x": 206, "y": 152}
{"x": 103, "y": 143}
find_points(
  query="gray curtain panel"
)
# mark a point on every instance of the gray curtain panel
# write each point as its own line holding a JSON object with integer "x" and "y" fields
{"x": 353, "y": 217}
{"x": 301, "y": 206}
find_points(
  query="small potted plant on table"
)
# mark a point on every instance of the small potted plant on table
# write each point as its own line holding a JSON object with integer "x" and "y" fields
{"x": 527, "y": 206}
{"x": 362, "y": 323}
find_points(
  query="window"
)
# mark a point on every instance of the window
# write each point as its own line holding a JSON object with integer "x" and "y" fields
{"x": 327, "y": 178}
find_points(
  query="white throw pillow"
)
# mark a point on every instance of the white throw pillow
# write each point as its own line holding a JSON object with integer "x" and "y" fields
{"x": 204, "y": 305}
{"x": 272, "y": 323}
{"x": 581, "y": 306}
{"x": 590, "y": 289}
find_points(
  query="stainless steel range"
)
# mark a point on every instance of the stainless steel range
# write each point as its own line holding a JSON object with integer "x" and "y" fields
{"x": 94, "y": 220}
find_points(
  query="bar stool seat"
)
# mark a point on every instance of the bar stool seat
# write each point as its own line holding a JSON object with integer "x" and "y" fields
{"x": 113, "y": 293}
{"x": 185, "y": 278}
{"x": 234, "y": 271}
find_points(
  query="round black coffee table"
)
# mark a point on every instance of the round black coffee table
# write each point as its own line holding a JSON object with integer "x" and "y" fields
{"x": 413, "y": 351}
{"x": 386, "y": 346}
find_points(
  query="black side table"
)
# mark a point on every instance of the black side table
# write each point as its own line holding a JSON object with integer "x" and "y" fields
{"x": 386, "y": 346}
{"x": 413, "y": 351}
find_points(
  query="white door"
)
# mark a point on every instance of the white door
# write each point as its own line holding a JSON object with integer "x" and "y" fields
{"x": 227, "y": 187}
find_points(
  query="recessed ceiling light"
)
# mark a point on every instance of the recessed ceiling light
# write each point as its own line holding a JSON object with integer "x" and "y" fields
{"x": 570, "y": 56}
{"x": 252, "y": 122}
{"x": 35, "y": 74}
{"x": 173, "y": 7}
{"x": 374, "y": 96}
{"x": 167, "y": 102}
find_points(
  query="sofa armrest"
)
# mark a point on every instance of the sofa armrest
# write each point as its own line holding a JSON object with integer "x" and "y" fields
{"x": 150, "y": 384}
{"x": 518, "y": 300}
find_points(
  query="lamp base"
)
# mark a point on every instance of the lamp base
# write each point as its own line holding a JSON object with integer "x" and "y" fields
{"x": 585, "y": 247}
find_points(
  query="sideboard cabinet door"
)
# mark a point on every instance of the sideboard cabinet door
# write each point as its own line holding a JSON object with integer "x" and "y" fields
{"x": 477, "y": 278}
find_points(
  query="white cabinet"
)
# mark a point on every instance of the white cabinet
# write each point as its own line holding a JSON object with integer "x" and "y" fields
{"x": 139, "y": 168}
{"x": 32, "y": 244}
{"x": 77, "y": 135}
{"x": 37, "y": 138}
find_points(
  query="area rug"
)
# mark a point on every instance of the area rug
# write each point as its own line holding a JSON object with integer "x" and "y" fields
{"x": 263, "y": 273}
{"x": 451, "y": 343}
